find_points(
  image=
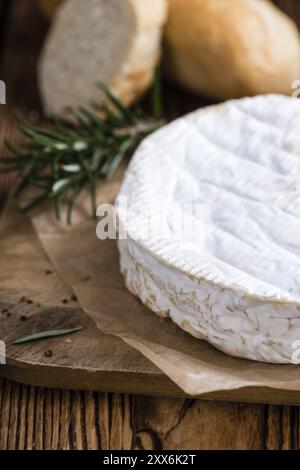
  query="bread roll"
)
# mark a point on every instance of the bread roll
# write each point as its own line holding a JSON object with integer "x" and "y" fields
{"x": 231, "y": 48}
{"x": 114, "y": 42}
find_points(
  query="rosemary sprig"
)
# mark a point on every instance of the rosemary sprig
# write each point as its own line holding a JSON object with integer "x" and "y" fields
{"x": 59, "y": 162}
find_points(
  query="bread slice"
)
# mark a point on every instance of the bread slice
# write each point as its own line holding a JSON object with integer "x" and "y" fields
{"x": 229, "y": 49}
{"x": 114, "y": 42}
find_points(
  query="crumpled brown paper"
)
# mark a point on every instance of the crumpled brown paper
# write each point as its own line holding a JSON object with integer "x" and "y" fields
{"x": 91, "y": 268}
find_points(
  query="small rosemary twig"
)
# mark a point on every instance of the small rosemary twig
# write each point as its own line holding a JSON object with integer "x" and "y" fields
{"x": 59, "y": 162}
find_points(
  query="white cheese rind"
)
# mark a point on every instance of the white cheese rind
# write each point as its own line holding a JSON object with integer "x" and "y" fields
{"x": 238, "y": 287}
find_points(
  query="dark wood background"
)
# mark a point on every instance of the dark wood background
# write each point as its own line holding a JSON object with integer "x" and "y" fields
{"x": 36, "y": 418}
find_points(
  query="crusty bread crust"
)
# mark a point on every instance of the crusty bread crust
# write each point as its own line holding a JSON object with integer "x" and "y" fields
{"x": 229, "y": 49}
{"x": 132, "y": 73}
{"x": 137, "y": 73}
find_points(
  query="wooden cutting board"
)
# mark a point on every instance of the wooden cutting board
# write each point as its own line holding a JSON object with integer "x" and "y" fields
{"x": 90, "y": 360}
{"x": 87, "y": 360}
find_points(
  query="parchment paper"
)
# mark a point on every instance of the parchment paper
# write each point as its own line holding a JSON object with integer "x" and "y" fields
{"x": 91, "y": 268}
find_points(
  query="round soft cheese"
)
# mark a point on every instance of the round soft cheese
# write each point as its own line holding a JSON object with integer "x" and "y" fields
{"x": 209, "y": 221}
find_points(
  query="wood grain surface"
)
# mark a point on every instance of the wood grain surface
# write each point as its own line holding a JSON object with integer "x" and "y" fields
{"x": 40, "y": 418}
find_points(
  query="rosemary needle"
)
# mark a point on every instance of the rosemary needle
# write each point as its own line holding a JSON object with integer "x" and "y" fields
{"x": 45, "y": 335}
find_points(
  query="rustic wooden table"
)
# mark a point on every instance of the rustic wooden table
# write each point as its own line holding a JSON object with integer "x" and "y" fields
{"x": 36, "y": 418}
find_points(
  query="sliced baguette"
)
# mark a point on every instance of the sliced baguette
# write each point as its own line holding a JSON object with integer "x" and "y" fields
{"x": 114, "y": 42}
{"x": 231, "y": 48}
